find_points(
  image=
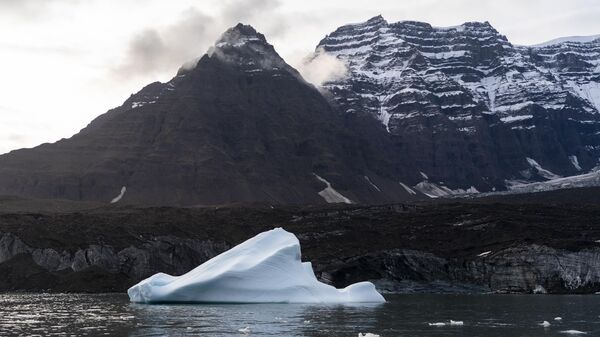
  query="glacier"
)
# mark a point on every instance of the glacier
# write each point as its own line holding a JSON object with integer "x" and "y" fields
{"x": 264, "y": 269}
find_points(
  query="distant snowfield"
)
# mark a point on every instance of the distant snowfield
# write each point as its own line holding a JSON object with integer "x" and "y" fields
{"x": 579, "y": 39}
{"x": 590, "y": 179}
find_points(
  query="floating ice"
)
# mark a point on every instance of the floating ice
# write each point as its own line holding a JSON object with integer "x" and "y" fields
{"x": 264, "y": 269}
{"x": 574, "y": 332}
{"x": 558, "y": 318}
{"x": 545, "y": 324}
{"x": 453, "y": 323}
{"x": 437, "y": 324}
{"x": 245, "y": 330}
{"x": 368, "y": 334}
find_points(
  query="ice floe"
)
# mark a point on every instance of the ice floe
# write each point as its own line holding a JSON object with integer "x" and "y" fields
{"x": 573, "y": 332}
{"x": 264, "y": 269}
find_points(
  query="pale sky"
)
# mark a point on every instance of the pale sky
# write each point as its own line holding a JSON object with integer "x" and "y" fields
{"x": 64, "y": 62}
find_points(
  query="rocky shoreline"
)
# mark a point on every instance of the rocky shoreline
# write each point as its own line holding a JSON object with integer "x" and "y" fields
{"x": 448, "y": 247}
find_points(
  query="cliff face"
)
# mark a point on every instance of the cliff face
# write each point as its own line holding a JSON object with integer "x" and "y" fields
{"x": 466, "y": 107}
{"x": 523, "y": 269}
{"x": 402, "y": 248}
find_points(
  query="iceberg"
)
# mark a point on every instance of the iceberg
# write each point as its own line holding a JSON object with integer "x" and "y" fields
{"x": 264, "y": 269}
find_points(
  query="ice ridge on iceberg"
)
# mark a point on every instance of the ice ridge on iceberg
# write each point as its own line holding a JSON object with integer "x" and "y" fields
{"x": 264, "y": 269}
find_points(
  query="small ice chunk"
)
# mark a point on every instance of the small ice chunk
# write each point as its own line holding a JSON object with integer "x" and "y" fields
{"x": 574, "y": 332}
{"x": 539, "y": 290}
{"x": 456, "y": 322}
{"x": 485, "y": 253}
{"x": 545, "y": 324}
{"x": 245, "y": 331}
{"x": 368, "y": 334}
{"x": 558, "y": 318}
{"x": 307, "y": 321}
{"x": 437, "y": 324}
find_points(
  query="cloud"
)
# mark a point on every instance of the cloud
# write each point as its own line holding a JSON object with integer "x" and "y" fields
{"x": 31, "y": 9}
{"x": 321, "y": 67}
{"x": 159, "y": 50}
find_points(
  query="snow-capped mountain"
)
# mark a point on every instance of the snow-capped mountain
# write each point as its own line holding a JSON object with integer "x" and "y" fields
{"x": 239, "y": 126}
{"x": 466, "y": 108}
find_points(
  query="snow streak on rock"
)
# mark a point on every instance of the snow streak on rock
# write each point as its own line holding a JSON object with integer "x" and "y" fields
{"x": 330, "y": 194}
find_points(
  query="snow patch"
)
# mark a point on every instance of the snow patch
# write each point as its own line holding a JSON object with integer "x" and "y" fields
{"x": 432, "y": 190}
{"x": 264, "y": 269}
{"x": 541, "y": 171}
{"x": 330, "y": 194}
{"x": 408, "y": 189}
{"x": 512, "y": 119}
{"x": 575, "y": 162}
{"x": 372, "y": 184}
{"x": 120, "y": 196}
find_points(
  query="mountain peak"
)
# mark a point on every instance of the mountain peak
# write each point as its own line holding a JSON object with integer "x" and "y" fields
{"x": 245, "y": 48}
{"x": 376, "y": 19}
{"x": 240, "y": 35}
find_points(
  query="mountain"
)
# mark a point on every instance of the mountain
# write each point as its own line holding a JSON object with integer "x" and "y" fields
{"x": 242, "y": 126}
{"x": 465, "y": 108}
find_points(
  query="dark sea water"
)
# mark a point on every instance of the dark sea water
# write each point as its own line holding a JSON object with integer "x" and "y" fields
{"x": 402, "y": 315}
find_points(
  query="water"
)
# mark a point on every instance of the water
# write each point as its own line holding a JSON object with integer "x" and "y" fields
{"x": 403, "y": 315}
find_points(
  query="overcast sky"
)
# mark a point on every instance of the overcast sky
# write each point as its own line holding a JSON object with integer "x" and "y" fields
{"x": 64, "y": 62}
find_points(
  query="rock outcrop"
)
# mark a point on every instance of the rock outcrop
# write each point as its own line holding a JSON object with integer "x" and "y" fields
{"x": 520, "y": 248}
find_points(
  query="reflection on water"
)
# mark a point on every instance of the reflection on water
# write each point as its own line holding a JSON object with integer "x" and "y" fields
{"x": 403, "y": 315}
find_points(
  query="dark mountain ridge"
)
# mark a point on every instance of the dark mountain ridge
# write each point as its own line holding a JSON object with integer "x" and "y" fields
{"x": 241, "y": 126}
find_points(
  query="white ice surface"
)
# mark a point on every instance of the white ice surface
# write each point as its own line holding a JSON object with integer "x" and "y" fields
{"x": 264, "y": 269}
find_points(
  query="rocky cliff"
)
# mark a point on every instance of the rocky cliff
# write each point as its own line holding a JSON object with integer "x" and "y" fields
{"x": 402, "y": 248}
{"x": 465, "y": 107}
